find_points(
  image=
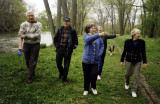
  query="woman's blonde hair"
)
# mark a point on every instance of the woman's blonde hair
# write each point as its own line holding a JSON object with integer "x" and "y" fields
{"x": 135, "y": 31}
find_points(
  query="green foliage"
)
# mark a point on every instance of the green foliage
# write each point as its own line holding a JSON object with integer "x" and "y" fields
{"x": 42, "y": 18}
{"x": 151, "y": 18}
{"x": 43, "y": 45}
{"x": 48, "y": 90}
{"x": 12, "y": 14}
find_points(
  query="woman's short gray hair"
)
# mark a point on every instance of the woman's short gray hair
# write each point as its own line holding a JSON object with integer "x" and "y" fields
{"x": 99, "y": 27}
{"x": 135, "y": 31}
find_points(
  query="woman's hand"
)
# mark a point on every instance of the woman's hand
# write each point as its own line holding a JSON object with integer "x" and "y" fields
{"x": 122, "y": 64}
{"x": 102, "y": 34}
{"x": 144, "y": 65}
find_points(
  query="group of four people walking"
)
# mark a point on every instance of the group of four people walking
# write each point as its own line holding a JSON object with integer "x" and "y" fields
{"x": 95, "y": 45}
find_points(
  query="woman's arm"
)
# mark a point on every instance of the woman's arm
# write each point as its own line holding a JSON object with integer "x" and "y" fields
{"x": 123, "y": 54}
{"x": 90, "y": 38}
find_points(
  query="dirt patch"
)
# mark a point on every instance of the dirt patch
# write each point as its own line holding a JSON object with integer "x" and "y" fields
{"x": 147, "y": 91}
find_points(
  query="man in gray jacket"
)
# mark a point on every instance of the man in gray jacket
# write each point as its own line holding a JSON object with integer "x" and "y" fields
{"x": 30, "y": 32}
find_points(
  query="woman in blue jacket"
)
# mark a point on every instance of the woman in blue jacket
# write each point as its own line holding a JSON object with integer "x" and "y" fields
{"x": 93, "y": 49}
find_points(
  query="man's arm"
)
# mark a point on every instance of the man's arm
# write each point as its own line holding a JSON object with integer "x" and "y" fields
{"x": 56, "y": 38}
{"x": 111, "y": 36}
{"x": 37, "y": 33}
{"x": 22, "y": 35}
{"x": 21, "y": 41}
{"x": 75, "y": 41}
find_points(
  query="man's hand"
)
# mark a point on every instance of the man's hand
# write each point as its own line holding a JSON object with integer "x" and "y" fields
{"x": 23, "y": 36}
{"x": 122, "y": 64}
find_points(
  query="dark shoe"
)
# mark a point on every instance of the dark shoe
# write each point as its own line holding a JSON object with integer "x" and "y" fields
{"x": 29, "y": 81}
{"x": 64, "y": 82}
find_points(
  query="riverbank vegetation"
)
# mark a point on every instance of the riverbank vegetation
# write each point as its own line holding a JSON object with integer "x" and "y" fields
{"x": 47, "y": 89}
{"x": 12, "y": 14}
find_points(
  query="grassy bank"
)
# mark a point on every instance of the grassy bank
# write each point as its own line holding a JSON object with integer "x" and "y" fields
{"x": 48, "y": 90}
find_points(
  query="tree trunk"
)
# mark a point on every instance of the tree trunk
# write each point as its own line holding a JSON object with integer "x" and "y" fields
{"x": 151, "y": 35}
{"x": 82, "y": 8}
{"x": 51, "y": 24}
{"x": 121, "y": 22}
{"x": 74, "y": 13}
{"x": 59, "y": 14}
{"x": 144, "y": 20}
{"x": 65, "y": 8}
{"x": 134, "y": 19}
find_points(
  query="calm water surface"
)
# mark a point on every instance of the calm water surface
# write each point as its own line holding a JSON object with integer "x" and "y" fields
{"x": 9, "y": 41}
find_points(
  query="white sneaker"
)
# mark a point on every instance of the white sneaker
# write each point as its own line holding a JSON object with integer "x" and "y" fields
{"x": 85, "y": 93}
{"x": 126, "y": 86}
{"x": 94, "y": 91}
{"x": 98, "y": 77}
{"x": 134, "y": 94}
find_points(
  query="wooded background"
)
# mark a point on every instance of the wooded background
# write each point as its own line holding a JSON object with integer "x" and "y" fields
{"x": 115, "y": 16}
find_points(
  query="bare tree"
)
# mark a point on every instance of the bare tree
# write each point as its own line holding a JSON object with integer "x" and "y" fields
{"x": 81, "y": 17}
{"x": 59, "y": 13}
{"x": 74, "y": 13}
{"x": 103, "y": 13}
{"x": 123, "y": 9}
{"x": 51, "y": 24}
{"x": 113, "y": 19}
{"x": 65, "y": 8}
{"x": 86, "y": 7}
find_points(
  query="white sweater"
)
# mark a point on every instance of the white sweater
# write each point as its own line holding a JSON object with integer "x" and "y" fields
{"x": 32, "y": 32}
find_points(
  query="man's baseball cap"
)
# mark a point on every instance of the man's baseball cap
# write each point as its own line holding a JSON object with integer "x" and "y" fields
{"x": 66, "y": 19}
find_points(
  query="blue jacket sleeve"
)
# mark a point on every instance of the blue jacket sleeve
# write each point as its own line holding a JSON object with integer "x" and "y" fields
{"x": 90, "y": 38}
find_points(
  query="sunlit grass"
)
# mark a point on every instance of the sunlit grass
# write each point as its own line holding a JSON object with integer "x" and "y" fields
{"x": 48, "y": 90}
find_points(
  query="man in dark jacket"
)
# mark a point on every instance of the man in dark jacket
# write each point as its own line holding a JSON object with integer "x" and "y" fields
{"x": 65, "y": 41}
{"x": 104, "y": 38}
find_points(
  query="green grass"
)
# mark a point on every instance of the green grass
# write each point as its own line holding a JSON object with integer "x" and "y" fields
{"x": 47, "y": 89}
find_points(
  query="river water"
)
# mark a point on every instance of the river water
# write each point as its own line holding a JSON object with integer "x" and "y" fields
{"x": 9, "y": 41}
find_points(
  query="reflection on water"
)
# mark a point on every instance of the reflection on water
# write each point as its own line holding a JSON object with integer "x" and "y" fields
{"x": 9, "y": 41}
{"x": 46, "y": 38}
